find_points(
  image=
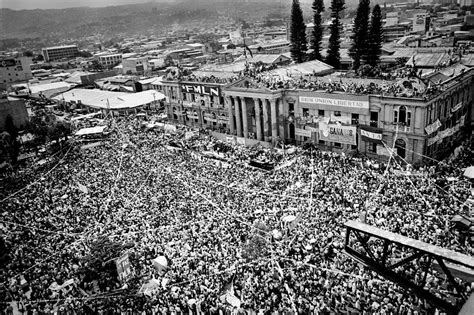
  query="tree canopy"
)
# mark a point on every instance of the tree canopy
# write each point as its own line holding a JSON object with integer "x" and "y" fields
{"x": 375, "y": 38}
{"x": 297, "y": 33}
{"x": 317, "y": 33}
{"x": 360, "y": 33}
{"x": 333, "y": 57}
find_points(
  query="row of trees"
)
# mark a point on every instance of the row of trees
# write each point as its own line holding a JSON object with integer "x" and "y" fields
{"x": 366, "y": 41}
{"x": 367, "y": 36}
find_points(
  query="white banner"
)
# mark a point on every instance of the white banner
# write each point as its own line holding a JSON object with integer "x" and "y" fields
{"x": 433, "y": 127}
{"x": 302, "y": 132}
{"x": 334, "y": 102}
{"x": 337, "y": 133}
{"x": 371, "y": 135}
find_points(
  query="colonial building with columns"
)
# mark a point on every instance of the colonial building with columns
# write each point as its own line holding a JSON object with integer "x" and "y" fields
{"x": 414, "y": 126}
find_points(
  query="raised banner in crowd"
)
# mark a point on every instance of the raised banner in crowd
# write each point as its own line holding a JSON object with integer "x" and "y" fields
{"x": 337, "y": 133}
{"x": 381, "y": 150}
{"x": 189, "y": 134}
{"x": 302, "y": 132}
{"x": 433, "y": 127}
{"x": 230, "y": 139}
{"x": 124, "y": 269}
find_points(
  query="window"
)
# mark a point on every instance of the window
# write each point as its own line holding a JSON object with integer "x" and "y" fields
{"x": 321, "y": 113}
{"x": 355, "y": 119}
{"x": 372, "y": 147}
{"x": 395, "y": 116}
{"x": 291, "y": 108}
{"x": 305, "y": 112}
{"x": 321, "y": 142}
{"x": 337, "y": 144}
{"x": 353, "y": 147}
{"x": 408, "y": 119}
{"x": 402, "y": 114}
{"x": 374, "y": 119}
{"x": 337, "y": 113}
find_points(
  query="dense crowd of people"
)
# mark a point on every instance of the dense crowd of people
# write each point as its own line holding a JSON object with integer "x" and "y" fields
{"x": 158, "y": 193}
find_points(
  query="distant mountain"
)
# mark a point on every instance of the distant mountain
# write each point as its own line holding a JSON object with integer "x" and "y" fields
{"x": 129, "y": 20}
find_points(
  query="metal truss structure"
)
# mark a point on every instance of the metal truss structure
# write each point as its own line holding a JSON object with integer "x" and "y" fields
{"x": 409, "y": 263}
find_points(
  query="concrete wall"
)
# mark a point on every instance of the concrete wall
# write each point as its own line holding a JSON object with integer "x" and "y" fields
{"x": 15, "y": 108}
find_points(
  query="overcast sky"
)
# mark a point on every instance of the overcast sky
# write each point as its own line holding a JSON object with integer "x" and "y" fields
{"x": 61, "y": 4}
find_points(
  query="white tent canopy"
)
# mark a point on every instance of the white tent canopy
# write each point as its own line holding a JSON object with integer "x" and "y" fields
{"x": 90, "y": 131}
{"x": 110, "y": 100}
{"x": 469, "y": 172}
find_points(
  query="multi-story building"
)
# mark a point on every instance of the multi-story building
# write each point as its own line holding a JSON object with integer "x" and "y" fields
{"x": 14, "y": 69}
{"x": 135, "y": 65}
{"x": 109, "y": 61}
{"x": 59, "y": 52}
{"x": 375, "y": 117}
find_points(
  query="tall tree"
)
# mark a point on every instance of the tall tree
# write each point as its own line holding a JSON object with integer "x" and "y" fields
{"x": 360, "y": 33}
{"x": 317, "y": 34}
{"x": 374, "y": 45}
{"x": 297, "y": 33}
{"x": 333, "y": 57}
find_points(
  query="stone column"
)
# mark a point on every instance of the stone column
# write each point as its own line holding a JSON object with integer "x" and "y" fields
{"x": 238, "y": 117}
{"x": 231, "y": 114}
{"x": 258, "y": 119}
{"x": 281, "y": 120}
{"x": 266, "y": 121}
{"x": 273, "y": 110}
{"x": 245, "y": 119}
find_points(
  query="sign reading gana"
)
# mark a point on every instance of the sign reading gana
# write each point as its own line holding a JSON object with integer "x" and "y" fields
{"x": 337, "y": 133}
{"x": 202, "y": 89}
{"x": 334, "y": 102}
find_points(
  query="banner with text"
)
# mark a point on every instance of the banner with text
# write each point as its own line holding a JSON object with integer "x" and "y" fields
{"x": 337, "y": 133}
{"x": 337, "y": 100}
{"x": 371, "y": 134}
{"x": 124, "y": 268}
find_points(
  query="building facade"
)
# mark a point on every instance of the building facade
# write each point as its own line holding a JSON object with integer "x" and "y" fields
{"x": 109, "y": 61}
{"x": 59, "y": 52}
{"x": 135, "y": 65}
{"x": 374, "y": 125}
{"x": 14, "y": 69}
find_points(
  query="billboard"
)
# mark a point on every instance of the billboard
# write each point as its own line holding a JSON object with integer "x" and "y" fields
{"x": 419, "y": 22}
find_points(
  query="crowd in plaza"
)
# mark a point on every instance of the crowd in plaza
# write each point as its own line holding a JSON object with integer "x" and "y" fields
{"x": 203, "y": 216}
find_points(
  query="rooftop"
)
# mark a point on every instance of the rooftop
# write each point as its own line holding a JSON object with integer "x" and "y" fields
{"x": 65, "y": 46}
